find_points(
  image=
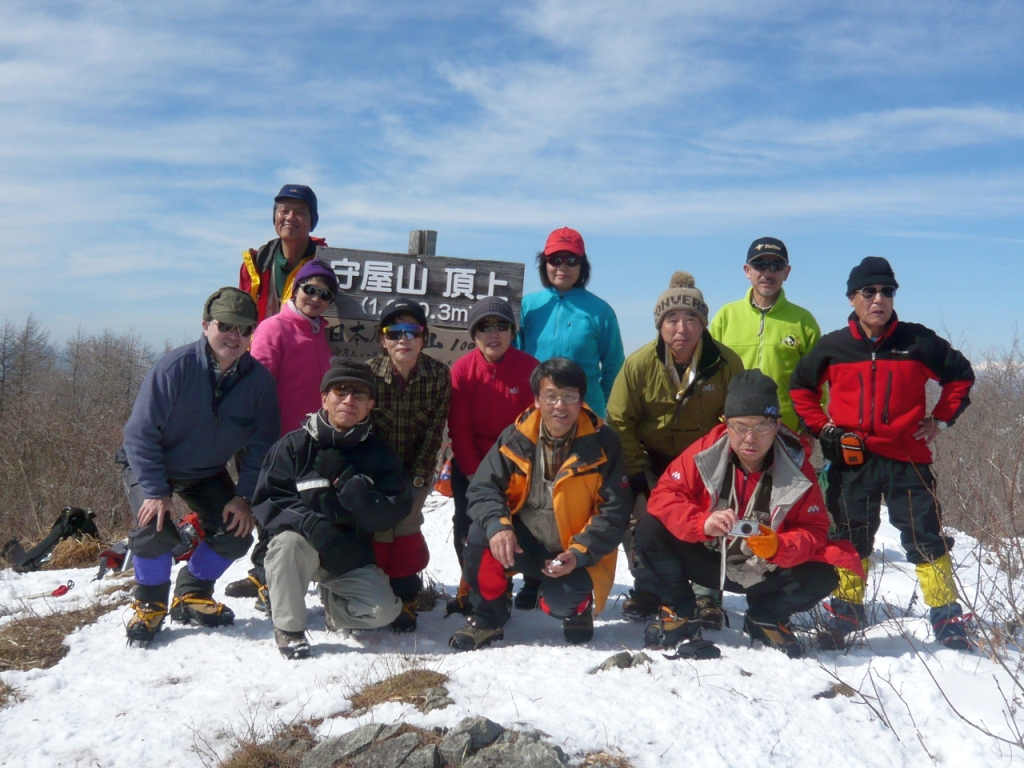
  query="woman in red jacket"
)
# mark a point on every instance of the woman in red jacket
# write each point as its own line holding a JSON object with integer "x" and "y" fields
{"x": 490, "y": 388}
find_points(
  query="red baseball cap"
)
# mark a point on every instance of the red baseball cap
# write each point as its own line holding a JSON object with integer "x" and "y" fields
{"x": 565, "y": 239}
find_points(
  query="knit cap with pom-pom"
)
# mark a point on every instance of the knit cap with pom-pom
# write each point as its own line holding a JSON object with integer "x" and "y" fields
{"x": 682, "y": 293}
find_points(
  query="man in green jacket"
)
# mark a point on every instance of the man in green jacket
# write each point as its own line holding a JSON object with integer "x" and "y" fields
{"x": 769, "y": 333}
{"x": 668, "y": 394}
{"x": 764, "y": 328}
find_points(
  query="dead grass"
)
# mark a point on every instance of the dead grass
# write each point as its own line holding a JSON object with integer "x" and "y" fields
{"x": 75, "y": 553}
{"x": 604, "y": 759}
{"x": 408, "y": 687}
{"x": 37, "y": 642}
{"x": 427, "y": 597}
{"x": 253, "y": 747}
{"x": 8, "y": 694}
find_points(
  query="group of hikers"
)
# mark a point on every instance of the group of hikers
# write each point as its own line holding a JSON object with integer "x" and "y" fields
{"x": 693, "y": 454}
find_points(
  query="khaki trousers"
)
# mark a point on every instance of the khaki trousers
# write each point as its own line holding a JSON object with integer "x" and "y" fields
{"x": 359, "y": 599}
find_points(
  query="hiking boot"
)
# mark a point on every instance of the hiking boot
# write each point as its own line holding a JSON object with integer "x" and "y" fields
{"x": 948, "y": 625}
{"x": 292, "y": 645}
{"x": 669, "y": 629}
{"x": 579, "y": 628}
{"x": 846, "y": 619}
{"x": 640, "y": 605}
{"x": 528, "y": 597}
{"x": 459, "y": 603}
{"x": 406, "y": 621}
{"x": 201, "y": 608}
{"x": 473, "y": 636}
{"x": 247, "y": 587}
{"x": 777, "y": 636}
{"x": 712, "y": 615}
{"x": 263, "y": 599}
{"x": 143, "y": 626}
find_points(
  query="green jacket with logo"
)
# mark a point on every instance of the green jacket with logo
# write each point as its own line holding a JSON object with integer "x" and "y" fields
{"x": 653, "y": 425}
{"x": 773, "y": 341}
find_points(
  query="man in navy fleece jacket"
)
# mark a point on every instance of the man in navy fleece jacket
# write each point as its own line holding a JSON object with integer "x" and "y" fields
{"x": 199, "y": 406}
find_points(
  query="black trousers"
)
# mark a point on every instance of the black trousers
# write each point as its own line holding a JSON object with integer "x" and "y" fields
{"x": 207, "y": 498}
{"x": 487, "y": 578}
{"x": 909, "y": 493}
{"x": 460, "y": 520}
{"x": 673, "y": 564}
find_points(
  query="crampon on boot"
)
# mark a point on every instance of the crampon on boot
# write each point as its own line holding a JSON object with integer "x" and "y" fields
{"x": 474, "y": 636}
{"x": 846, "y": 619}
{"x": 640, "y": 605}
{"x": 682, "y": 633}
{"x": 712, "y": 615}
{"x": 200, "y": 608}
{"x": 292, "y": 645}
{"x": 406, "y": 621}
{"x": 143, "y": 626}
{"x": 777, "y": 636}
{"x": 247, "y": 587}
{"x": 948, "y": 625}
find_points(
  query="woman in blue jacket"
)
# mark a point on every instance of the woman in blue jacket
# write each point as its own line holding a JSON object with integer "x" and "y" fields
{"x": 566, "y": 320}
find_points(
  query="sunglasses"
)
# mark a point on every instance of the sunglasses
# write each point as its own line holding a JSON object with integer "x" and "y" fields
{"x": 869, "y": 292}
{"x": 401, "y": 331}
{"x": 245, "y": 330}
{"x": 358, "y": 393}
{"x": 494, "y": 328}
{"x": 311, "y": 290}
{"x": 762, "y": 265}
{"x": 569, "y": 261}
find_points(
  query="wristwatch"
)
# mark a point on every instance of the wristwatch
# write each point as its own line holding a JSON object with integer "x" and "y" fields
{"x": 942, "y": 425}
{"x": 246, "y": 499}
{"x": 418, "y": 481}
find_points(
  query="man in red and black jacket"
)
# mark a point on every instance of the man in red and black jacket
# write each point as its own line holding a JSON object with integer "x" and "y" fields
{"x": 268, "y": 273}
{"x": 876, "y": 436}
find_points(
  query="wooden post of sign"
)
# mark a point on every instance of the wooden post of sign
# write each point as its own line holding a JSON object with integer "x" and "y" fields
{"x": 423, "y": 242}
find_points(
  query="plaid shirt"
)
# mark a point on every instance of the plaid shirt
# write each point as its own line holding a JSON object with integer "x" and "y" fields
{"x": 412, "y": 420}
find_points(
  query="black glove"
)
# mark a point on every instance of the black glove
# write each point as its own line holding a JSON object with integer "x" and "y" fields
{"x": 330, "y": 463}
{"x": 355, "y": 493}
{"x": 639, "y": 485}
{"x": 831, "y": 448}
{"x": 326, "y": 540}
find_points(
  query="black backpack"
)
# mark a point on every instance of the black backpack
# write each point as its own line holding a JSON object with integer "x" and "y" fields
{"x": 72, "y": 521}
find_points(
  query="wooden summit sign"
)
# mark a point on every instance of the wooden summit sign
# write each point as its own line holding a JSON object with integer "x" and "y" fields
{"x": 447, "y": 288}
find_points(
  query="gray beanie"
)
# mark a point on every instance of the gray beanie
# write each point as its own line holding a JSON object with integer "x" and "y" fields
{"x": 492, "y": 306}
{"x": 682, "y": 293}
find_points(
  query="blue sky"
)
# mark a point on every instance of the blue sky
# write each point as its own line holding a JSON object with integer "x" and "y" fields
{"x": 141, "y": 146}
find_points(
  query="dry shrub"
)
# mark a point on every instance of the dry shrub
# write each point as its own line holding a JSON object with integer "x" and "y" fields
{"x": 256, "y": 747}
{"x": 37, "y": 642}
{"x": 75, "y": 553}
{"x": 979, "y": 461}
{"x": 408, "y": 687}
{"x": 604, "y": 759}
{"x": 8, "y": 694}
{"x": 427, "y": 597}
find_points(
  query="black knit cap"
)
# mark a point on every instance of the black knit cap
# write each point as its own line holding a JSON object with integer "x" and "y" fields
{"x": 492, "y": 306}
{"x": 403, "y": 307}
{"x": 873, "y": 270}
{"x": 751, "y": 393}
{"x": 344, "y": 371}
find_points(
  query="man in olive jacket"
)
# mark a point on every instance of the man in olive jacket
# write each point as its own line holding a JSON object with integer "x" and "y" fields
{"x": 325, "y": 489}
{"x": 668, "y": 394}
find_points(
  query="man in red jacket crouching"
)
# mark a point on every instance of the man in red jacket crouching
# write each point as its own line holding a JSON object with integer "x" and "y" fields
{"x": 747, "y": 473}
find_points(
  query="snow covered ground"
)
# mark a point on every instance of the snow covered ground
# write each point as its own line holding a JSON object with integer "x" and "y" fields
{"x": 109, "y": 705}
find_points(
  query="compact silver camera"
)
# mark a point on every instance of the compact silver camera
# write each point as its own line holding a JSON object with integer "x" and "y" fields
{"x": 745, "y": 528}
